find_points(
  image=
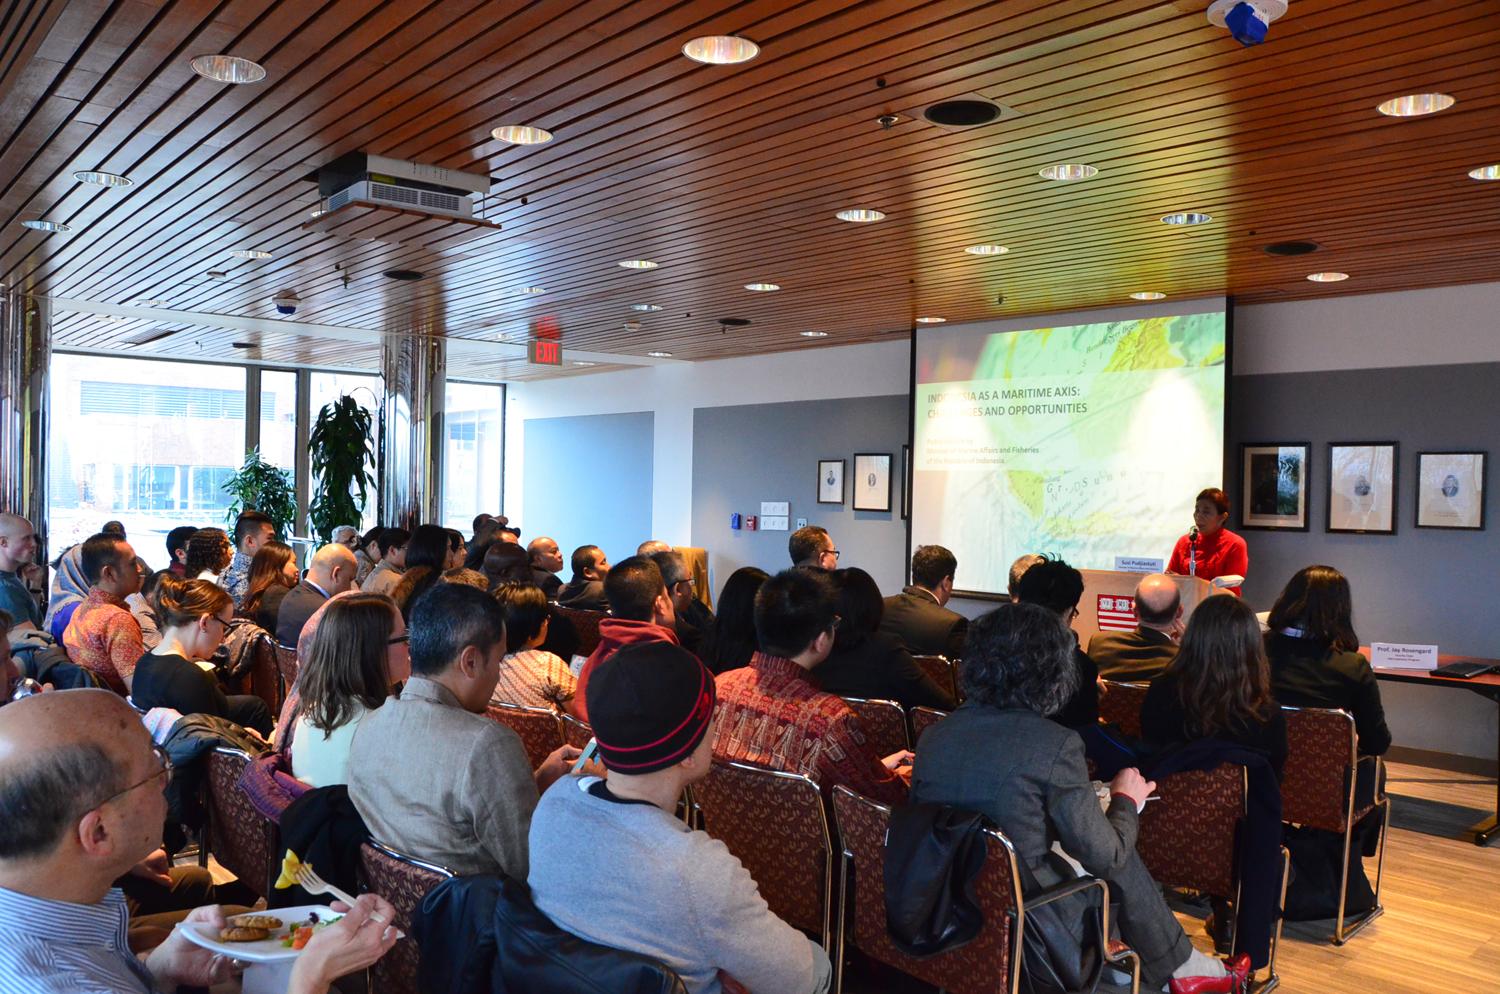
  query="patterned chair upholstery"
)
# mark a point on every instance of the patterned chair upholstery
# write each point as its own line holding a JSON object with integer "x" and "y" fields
{"x": 286, "y": 662}
{"x": 539, "y": 728}
{"x": 264, "y": 679}
{"x": 774, "y": 823}
{"x": 240, "y": 837}
{"x": 586, "y": 623}
{"x": 404, "y": 881}
{"x": 883, "y": 722}
{"x": 1318, "y": 791}
{"x": 1187, "y": 838}
{"x": 1120, "y": 705}
{"x": 943, "y": 671}
{"x": 923, "y": 719}
{"x": 576, "y": 732}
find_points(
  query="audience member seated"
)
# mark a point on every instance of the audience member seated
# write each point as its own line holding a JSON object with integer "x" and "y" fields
{"x": 83, "y": 789}
{"x": 456, "y": 549}
{"x": 811, "y": 545}
{"x": 347, "y": 675}
{"x": 1143, "y": 654}
{"x": 102, "y": 636}
{"x": 730, "y": 640}
{"x": 917, "y": 616}
{"x": 640, "y": 611}
{"x": 771, "y": 714}
{"x": 692, "y": 617}
{"x": 17, "y": 564}
{"x": 252, "y": 529}
{"x": 530, "y": 675}
{"x": 194, "y": 617}
{"x": 506, "y": 562}
{"x": 273, "y": 573}
{"x": 612, "y": 863}
{"x": 508, "y": 534}
{"x": 428, "y": 772}
{"x": 367, "y": 555}
{"x": 331, "y": 572}
{"x": 1056, "y": 586}
{"x": 585, "y": 592}
{"x": 177, "y": 545}
{"x": 483, "y": 527}
{"x": 651, "y": 547}
{"x": 387, "y": 573}
{"x": 346, "y": 535}
{"x": 470, "y": 577}
{"x": 427, "y": 553}
{"x": 1000, "y": 755}
{"x": 143, "y": 608}
{"x": 69, "y": 588}
{"x": 867, "y": 662}
{"x": 1018, "y": 569}
{"x": 546, "y": 563}
{"x": 209, "y": 554}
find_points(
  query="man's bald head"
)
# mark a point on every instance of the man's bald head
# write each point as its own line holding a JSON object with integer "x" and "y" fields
{"x": 333, "y": 568}
{"x": 1157, "y": 601}
{"x": 17, "y": 542}
{"x": 651, "y": 547}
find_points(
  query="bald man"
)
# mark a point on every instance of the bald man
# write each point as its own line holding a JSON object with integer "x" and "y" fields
{"x": 17, "y": 552}
{"x": 546, "y": 563}
{"x": 651, "y": 547}
{"x": 83, "y": 788}
{"x": 1134, "y": 657}
{"x": 331, "y": 572}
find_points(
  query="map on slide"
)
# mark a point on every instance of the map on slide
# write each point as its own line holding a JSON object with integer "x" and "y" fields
{"x": 1087, "y": 441}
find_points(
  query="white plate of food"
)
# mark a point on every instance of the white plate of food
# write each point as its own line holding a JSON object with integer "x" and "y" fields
{"x": 260, "y": 936}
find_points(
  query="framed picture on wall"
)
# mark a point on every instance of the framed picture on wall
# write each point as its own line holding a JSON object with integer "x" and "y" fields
{"x": 905, "y": 482}
{"x": 830, "y": 481}
{"x": 1450, "y": 490}
{"x": 872, "y": 481}
{"x": 1362, "y": 487}
{"x": 1273, "y": 485}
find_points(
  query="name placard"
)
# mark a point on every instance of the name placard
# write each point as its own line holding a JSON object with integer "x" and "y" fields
{"x": 1394, "y": 655}
{"x": 1139, "y": 564}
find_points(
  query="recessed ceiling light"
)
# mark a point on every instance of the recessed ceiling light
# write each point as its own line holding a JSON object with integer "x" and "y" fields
{"x": 1067, "y": 172}
{"x": 580, "y": 362}
{"x": 860, "y": 215}
{"x": 660, "y": 355}
{"x": 762, "y": 287}
{"x": 721, "y": 50}
{"x": 931, "y": 320}
{"x": 250, "y": 254}
{"x": 986, "y": 250}
{"x": 520, "y": 134}
{"x": 1485, "y": 173}
{"x": 1147, "y": 295}
{"x": 1416, "y": 104}
{"x": 37, "y": 224}
{"x": 97, "y": 178}
{"x": 531, "y": 290}
{"x": 813, "y": 334}
{"x": 638, "y": 264}
{"x": 648, "y": 308}
{"x": 227, "y": 69}
{"x": 1328, "y": 277}
{"x": 1187, "y": 218}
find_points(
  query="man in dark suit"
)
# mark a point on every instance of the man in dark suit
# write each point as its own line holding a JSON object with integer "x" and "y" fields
{"x": 1137, "y": 656}
{"x": 331, "y": 572}
{"x": 692, "y": 616}
{"x": 546, "y": 563}
{"x": 917, "y": 616}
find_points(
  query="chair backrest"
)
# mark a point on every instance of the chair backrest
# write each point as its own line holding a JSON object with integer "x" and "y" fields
{"x": 923, "y": 718}
{"x": 1120, "y": 705}
{"x": 775, "y": 824}
{"x": 989, "y": 964}
{"x": 586, "y": 624}
{"x": 883, "y": 722}
{"x": 576, "y": 732}
{"x": 402, "y": 880}
{"x": 1187, "y": 838}
{"x": 942, "y": 670}
{"x": 1317, "y": 782}
{"x": 540, "y": 730}
{"x": 240, "y": 837}
{"x": 286, "y": 662}
{"x": 265, "y": 679}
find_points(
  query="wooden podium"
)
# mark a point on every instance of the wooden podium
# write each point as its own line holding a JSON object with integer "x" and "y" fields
{"x": 1112, "y": 593}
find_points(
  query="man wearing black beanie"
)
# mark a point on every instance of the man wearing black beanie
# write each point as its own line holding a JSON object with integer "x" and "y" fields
{"x": 611, "y": 863}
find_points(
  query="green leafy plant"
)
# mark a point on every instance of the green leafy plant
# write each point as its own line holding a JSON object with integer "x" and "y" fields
{"x": 259, "y": 486}
{"x": 341, "y": 450}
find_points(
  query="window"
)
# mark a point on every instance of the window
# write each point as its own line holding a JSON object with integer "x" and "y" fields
{"x": 278, "y": 418}
{"x": 472, "y": 461}
{"x": 324, "y": 389}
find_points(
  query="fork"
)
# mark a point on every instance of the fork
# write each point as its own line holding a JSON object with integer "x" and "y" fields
{"x": 314, "y": 884}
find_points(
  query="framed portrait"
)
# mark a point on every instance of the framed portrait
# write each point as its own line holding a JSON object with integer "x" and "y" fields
{"x": 1273, "y": 485}
{"x": 905, "y": 482}
{"x": 872, "y": 481}
{"x": 1362, "y": 487}
{"x": 1450, "y": 490}
{"x": 830, "y": 481}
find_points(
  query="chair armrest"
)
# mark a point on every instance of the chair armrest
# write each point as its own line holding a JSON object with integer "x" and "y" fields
{"x": 1068, "y": 889}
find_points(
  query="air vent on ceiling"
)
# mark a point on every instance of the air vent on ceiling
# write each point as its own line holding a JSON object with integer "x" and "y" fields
{"x": 1291, "y": 248}
{"x": 150, "y": 335}
{"x": 972, "y": 111}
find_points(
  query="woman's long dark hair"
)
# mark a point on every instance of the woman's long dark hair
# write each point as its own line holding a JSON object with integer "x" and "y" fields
{"x": 730, "y": 641}
{"x": 348, "y": 663}
{"x": 426, "y": 558}
{"x": 267, "y": 570}
{"x": 1223, "y": 681}
{"x": 1317, "y": 602}
{"x": 860, "y": 608}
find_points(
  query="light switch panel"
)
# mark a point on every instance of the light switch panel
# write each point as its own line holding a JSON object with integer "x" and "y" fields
{"x": 773, "y": 523}
{"x": 773, "y": 508}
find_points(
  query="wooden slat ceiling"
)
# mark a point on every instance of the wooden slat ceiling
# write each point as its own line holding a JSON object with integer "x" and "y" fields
{"x": 729, "y": 175}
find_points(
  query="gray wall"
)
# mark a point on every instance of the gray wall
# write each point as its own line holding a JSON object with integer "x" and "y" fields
{"x": 744, "y": 455}
{"x": 588, "y": 480}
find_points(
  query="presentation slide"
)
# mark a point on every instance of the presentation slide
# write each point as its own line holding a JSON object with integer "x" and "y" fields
{"x": 1086, "y": 440}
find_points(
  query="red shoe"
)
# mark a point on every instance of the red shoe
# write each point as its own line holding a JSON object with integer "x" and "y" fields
{"x": 1236, "y": 981}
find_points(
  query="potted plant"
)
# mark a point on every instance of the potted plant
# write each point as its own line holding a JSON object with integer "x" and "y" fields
{"x": 341, "y": 451}
{"x": 259, "y": 486}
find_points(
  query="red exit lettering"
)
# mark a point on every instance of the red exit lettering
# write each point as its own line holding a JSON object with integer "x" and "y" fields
{"x": 544, "y": 353}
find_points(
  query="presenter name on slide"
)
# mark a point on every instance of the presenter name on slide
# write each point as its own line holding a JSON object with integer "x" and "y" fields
{"x": 1210, "y": 550}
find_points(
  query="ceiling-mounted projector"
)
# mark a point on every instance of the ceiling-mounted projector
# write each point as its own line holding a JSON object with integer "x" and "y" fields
{"x": 396, "y": 183}
{"x": 1246, "y": 20}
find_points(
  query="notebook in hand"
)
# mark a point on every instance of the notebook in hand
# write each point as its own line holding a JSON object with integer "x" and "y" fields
{"x": 1463, "y": 669}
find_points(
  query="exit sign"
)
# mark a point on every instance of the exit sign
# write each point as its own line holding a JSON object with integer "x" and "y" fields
{"x": 545, "y": 353}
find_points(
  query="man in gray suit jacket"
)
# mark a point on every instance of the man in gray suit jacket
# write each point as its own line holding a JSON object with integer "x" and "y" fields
{"x": 917, "y": 615}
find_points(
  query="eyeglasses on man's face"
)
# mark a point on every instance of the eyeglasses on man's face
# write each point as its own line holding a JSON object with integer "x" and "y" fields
{"x": 164, "y": 771}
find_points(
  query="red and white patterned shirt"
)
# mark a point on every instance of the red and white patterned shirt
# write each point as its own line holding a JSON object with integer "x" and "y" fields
{"x": 103, "y": 636}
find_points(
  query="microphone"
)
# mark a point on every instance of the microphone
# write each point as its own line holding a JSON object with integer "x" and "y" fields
{"x": 1193, "y": 534}
{"x": 1193, "y": 551}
